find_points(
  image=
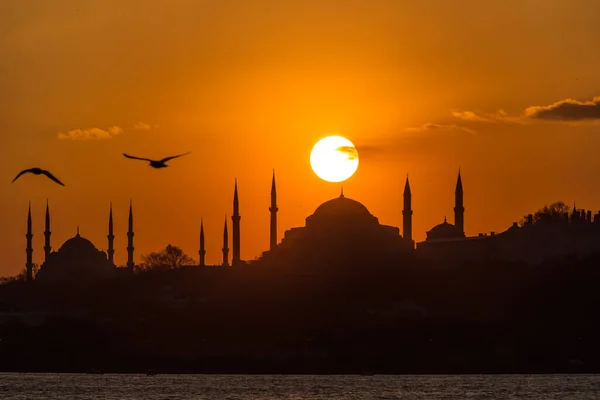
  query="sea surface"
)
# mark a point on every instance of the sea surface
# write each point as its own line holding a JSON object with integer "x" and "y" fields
{"x": 233, "y": 387}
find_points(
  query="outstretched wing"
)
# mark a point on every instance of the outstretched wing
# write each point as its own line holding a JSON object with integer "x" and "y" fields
{"x": 137, "y": 158}
{"x": 21, "y": 173}
{"x": 49, "y": 175}
{"x": 164, "y": 160}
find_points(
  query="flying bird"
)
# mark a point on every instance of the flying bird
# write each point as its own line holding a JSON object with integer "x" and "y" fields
{"x": 39, "y": 171}
{"x": 157, "y": 163}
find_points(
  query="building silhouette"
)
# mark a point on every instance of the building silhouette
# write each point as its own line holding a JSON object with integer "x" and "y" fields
{"x": 202, "y": 251}
{"x": 47, "y": 233}
{"x": 225, "y": 245}
{"x": 29, "y": 249}
{"x": 407, "y": 214}
{"x": 130, "y": 248}
{"x": 77, "y": 259}
{"x": 273, "y": 210}
{"x": 111, "y": 238}
{"x": 459, "y": 209}
{"x": 342, "y": 230}
{"x": 235, "y": 218}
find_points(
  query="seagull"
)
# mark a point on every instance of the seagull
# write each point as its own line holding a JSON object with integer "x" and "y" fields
{"x": 39, "y": 171}
{"x": 157, "y": 163}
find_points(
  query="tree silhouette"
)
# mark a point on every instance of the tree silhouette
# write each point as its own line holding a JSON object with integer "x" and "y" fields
{"x": 21, "y": 276}
{"x": 172, "y": 257}
{"x": 555, "y": 210}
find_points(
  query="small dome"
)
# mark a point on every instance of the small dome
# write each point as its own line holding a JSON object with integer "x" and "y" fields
{"x": 341, "y": 206}
{"x": 78, "y": 245}
{"x": 444, "y": 231}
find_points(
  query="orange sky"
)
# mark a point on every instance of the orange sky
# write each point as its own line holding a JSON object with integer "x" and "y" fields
{"x": 248, "y": 86}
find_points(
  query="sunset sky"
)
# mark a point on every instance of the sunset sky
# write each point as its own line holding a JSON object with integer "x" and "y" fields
{"x": 421, "y": 87}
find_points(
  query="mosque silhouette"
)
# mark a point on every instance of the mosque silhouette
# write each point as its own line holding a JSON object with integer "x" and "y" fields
{"x": 340, "y": 230}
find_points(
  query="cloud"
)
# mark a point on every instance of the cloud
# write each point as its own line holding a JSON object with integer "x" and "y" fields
{"x": 91, "y": 133}
{"x": 563, "y": 111}
{"x": 431, "y": 126}
{"x": 499, "y": 116}
{"x": 141, "y": 126}
{"x": 350, "y": 152}
{"x": 469, "y": 116}
{"x": 115, "y": 130}
{"x": 566, "y": 110}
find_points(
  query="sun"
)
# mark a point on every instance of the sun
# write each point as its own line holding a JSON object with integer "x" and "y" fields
{"x": 334, "y": 159}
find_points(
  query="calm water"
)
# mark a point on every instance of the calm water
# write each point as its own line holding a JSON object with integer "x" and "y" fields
{"x": 102, "y": 387}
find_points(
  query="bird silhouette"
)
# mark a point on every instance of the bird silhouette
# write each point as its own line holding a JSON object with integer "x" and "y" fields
{"x": 38, "y": 171}
{"x": 156, "y": 163}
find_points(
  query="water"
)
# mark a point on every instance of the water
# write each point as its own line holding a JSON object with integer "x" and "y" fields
{"x": 257, "y": 387}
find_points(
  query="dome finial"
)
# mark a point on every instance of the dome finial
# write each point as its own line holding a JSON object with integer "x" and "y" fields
{"x": 342, "y": 192}
{"x": 445, "y": 221}
{"x": 77, "y": 230}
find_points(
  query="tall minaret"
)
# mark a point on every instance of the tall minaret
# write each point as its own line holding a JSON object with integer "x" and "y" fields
{"x": 459, "y": 209}
{"x": 111, "y": 238}
{"x": 29, "y": 250}
{"x": 202, "y": 251}
{"x": 47, "y": 234}
{"x": 407, "y": 213}
{"x": 130, "y": 247}
{"x": 273, "y": 209}
{"x": 225, "y": 244}
{"x": 235, "y": 260}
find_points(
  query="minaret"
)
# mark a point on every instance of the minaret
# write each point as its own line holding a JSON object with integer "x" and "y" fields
{"x": 130, "y": 247}
{"x": 111, "y": 238}
{"x": 273, "y": 209}
{"x": 459, "y": 209}
{"x": 225, "y": 244}
{"x": 47, "y": 234}
{"x": 407, "y": 213}
{"x": 202, "y": 251}
{"x": 29, "y": 250}
{"x": 235, "y": 260}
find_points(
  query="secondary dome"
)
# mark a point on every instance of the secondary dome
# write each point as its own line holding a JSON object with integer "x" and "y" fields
{"x": 444, "y": 231}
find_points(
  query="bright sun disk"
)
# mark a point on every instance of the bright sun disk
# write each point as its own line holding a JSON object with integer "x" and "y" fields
{"x": 334, "y": 159}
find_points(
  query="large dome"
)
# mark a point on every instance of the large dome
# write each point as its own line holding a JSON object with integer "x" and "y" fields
{"x": 78, "y": 245}
{"x": 341, "y": 206}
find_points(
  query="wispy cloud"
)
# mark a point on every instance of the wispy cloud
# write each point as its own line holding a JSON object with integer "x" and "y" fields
{"x": 429, "y": 126}
{"x": 563, "y": 111}
{"x": 499, "y": 116}
{"x": 469, "y": 116}
{"x": 91, "y": 133}
{"x": 141, "y": 126}
{"x": 350, "y": 151}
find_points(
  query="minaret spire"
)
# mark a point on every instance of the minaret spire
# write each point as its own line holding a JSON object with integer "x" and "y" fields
{"x": 130, "y": 248}
{"x": 459, "y": 209}
{"x": 273, "y": 209}
{"x": 225, "y": 245}
{"x": 47, "y": 234}
{"x": 29, "y": 249}
{"x": 202, "y": 251}
{"x": 407, "y": 214}
{"x": 111, "y": 238}
{"x": 235, "y": 218}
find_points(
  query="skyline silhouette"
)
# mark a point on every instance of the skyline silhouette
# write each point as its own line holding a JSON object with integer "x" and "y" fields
{"x": 248, "y": 96}
{"x": 445, "y": 232}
